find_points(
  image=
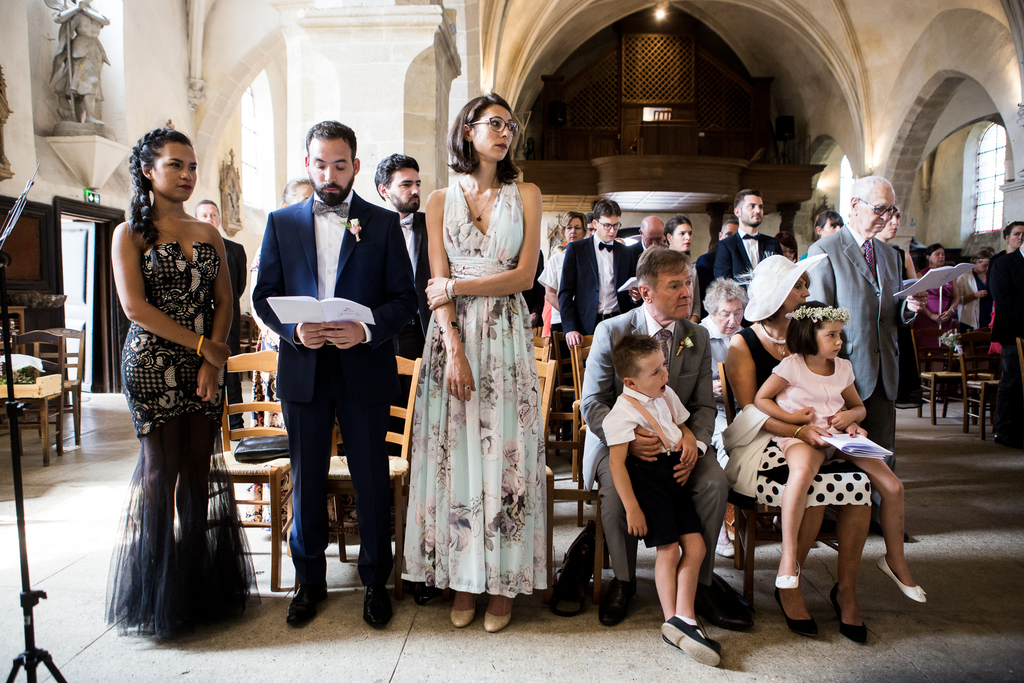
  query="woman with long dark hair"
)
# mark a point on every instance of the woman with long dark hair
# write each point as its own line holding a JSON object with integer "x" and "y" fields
{"x": 182, "y": 559}
{"x": 477, "y": 486}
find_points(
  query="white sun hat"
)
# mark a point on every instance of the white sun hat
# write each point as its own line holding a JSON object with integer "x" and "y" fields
{"x": 772, "y": 281}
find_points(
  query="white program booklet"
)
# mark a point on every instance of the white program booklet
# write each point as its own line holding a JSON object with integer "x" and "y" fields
{"x": 628, "y": 284}
{"x": 306, "y": 309}
{"x": 860, "y": 446}
{"x": 934, "y": 278}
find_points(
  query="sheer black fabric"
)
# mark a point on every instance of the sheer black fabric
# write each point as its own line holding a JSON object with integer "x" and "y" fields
{"x": 182, "y": 559}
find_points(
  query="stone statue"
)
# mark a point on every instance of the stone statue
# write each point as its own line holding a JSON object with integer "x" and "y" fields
{"x": 5, "y": 111}
{"x": 77, "y": 66}
{"x": 230, "y": 196}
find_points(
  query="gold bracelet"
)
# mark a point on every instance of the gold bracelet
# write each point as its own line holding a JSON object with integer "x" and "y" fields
{"x": 199, "y": 349}
{"x": 797, "y": 432}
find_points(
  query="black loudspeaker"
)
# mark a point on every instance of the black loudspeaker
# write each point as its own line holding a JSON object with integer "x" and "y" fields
{"x": 785, "y": 128}
{"x": 557, "y": 114}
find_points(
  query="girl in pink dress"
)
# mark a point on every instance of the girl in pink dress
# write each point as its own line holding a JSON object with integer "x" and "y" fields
{"x": 814, "y": 387}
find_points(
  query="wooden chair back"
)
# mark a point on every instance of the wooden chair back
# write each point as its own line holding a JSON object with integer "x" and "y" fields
{"x": 546, "y": 373}
{"x": 730, "y": 405}
{"x": 542, "y": 348}
{"x": 411, "y": 369}
{"x": 46, "y": 346}
{"x": 263, "y": 361}
{"x": 564, "y": 361}
{"x": 74, "y": 354}
{"x": 51, "y": 350}
{"x": 976, "y": 362}
{"x": 929, "y": 356}
{"x": 579, "y": 354}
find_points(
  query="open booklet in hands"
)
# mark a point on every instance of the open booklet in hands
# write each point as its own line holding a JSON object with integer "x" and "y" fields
{"x": 306, "y": 309}
{"x": 859, "y": 446}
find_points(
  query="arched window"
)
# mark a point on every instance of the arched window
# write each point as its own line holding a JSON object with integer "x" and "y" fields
{"x": 845, "y": 189}
{"x": 988, "y": 198}
{"x": 258, "y": 145}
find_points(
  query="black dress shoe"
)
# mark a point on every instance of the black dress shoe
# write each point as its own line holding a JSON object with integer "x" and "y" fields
{"x": 805, "y": 627}
{"x": 717, "y": 607}
{"x": 615, "y": 602}
{"x": 303, "y": 605}
{"x": 858, "y": 634}
{"x": 422, "y": 593}
{"x": 376, "y": 606}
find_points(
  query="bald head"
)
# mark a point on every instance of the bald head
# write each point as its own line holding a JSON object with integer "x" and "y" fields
{"x": 652, "y": 232}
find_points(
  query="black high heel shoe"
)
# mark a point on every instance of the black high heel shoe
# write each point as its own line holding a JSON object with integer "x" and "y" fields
{"x": 805, "y": 627}
{"x": 858, "y": 634}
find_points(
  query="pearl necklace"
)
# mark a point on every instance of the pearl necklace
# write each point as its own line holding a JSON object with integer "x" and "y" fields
{"x": 781, "y": 343}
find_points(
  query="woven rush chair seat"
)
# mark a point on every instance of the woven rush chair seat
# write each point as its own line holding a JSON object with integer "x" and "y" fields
{"x": 245, "y": 469}
{"x": 339, "y": 467}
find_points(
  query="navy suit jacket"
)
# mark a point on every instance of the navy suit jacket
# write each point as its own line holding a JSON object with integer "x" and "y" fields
{"x": 579, "y": 289}
{"x": 375, "y": 272}
{"x": 731, "y": 258}
{"x": 1006, "y": 282}
{"x": 705, "y": 268}
{"x": 419, "y": 231}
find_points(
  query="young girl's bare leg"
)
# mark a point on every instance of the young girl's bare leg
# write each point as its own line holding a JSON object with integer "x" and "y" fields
{"x": 793, "y": 599}
{"x": 666, "y": 568}
{"x": 890, "y": 514}
{"x": 687, "y": 573}
{"x": 803, "y": 461}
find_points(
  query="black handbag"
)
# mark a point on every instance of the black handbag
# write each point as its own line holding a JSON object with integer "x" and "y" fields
{"x": 256, "y": 450}
{"x": 571, "y": 580}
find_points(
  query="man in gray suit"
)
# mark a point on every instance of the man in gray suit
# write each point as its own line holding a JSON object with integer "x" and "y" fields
{"x": 862, "y": 275}
{"x": 666, "y": 285}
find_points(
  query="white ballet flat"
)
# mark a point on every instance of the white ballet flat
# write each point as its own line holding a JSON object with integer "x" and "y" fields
{"x": 915, "y": 593}
{"x": 788, "y": 582}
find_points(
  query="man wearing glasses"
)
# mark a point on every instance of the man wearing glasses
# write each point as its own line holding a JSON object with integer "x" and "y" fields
{"x": 592, "y": 272}
{"x": 862, "y": 274}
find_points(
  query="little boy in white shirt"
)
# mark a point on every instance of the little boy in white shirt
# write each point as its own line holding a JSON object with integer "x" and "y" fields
{"x": 657, "y": 507}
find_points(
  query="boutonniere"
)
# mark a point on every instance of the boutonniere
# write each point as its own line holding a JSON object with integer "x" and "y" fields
{"x": 686, "y": 342}
{"x": 354, "y": 228}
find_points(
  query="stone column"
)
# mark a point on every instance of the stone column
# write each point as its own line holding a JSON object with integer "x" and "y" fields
{"x": 384, "y": 70}
{"x": 788, "y": 213}
{"x": 1013, "y": 202}
{"x": 716, "y": 212}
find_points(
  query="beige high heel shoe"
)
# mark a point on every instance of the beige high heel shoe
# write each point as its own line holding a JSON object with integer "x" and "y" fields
{"x": 493, "y": 623}
{"x": 461, "y": 618}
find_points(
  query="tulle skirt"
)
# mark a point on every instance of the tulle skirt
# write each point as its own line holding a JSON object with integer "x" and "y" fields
{"x": 182, "y": 558}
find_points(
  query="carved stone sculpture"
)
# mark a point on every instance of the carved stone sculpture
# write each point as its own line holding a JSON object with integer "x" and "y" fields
{"x": 77, "y": 66}
{"x": 5, "y": 111}
{"x": 230, "y": 196}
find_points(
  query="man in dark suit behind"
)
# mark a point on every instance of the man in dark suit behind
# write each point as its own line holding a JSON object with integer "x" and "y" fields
{"x": 1006, "y": 282}
{"x": 706, "y": 263}
{"x": 738, "y": 254}
{"x": 398, "y": 183}
{"x": 238, "y": 267}
{"x": 337, "y": 370}
{"x": 592, "y": 272}
{"x": 652, "y": 234}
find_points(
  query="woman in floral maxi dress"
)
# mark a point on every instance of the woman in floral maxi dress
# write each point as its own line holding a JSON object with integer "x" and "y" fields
{"x": 477, "y": 495}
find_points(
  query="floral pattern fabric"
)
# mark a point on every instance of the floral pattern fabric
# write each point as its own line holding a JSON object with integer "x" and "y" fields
{"x": 477, "y": 505}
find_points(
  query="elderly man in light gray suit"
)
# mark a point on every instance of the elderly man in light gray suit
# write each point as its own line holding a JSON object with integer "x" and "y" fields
{"x": 666, "y": 285}
{"x": 862, "y": 275}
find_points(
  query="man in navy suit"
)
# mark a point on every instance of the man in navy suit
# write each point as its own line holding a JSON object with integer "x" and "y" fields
{"x": 706, "y": 263}
{"x": 592, "y": 272}
{"x": 738, "y": 254}
{"x": 1006, "y": 282}
{"x": 343, "y": 370}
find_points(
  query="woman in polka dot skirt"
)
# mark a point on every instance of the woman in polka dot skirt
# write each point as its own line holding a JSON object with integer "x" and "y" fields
{"x": 813, "y": 387}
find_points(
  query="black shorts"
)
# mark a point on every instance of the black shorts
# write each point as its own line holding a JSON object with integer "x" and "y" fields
{"x": 667, "y": 506}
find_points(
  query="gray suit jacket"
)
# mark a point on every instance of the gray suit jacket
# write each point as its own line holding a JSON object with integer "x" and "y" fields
{"x": 689, "y": 374}
{"x": 875, "y": 314}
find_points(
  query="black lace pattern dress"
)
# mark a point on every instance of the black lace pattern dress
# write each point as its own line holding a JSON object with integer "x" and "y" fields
{"x": 182, "y": 558}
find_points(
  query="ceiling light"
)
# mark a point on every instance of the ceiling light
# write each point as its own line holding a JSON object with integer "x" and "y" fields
{"x": 660, "y": 14}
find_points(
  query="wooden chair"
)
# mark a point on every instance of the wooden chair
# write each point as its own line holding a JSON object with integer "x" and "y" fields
{"x": 339, "y": 479}
{"x": 74, "y": 363}
{"x": 542, "y": 348}
{"x": 249, "y": 333}
{"x": 546, "y": 373}
{"x": 274, "y": 474}
{"x": 565, "y": 394}
{"x": 579, "y": 355}
{"x": 934, "y": 383}
{"x": 978, "y": 383}
{"x": 754, "y": 521}
{"x": 51, "y": 349}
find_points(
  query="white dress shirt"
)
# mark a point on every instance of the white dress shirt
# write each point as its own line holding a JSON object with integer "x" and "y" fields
{"x": 623, "y": 418}
{"x": 410, "y": 241}
{"x": 753, "y": 249}
{"x": 607, "y": 299}
{"x": 552, "y": 277}
{"x": 330, "y": 232}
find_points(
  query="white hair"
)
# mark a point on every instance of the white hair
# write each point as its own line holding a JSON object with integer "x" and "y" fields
{"x": 722, "y": 291}
{"x": 862, "y": 187}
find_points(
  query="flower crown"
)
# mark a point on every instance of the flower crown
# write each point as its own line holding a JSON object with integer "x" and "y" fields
{"x": 830, "y": 314}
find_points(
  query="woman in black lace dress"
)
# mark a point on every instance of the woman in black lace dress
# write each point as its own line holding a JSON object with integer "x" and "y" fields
{"x": 182, "y": 559}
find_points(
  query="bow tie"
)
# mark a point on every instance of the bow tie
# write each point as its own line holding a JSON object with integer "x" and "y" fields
{"x": 407, "y": 222}
{"x": 602, "y": 245}
{"x": 320, "y": 208}
{"x": 750, "y": 237}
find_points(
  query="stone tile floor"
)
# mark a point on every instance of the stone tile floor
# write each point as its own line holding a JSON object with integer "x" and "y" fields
{"x": 963, "y": 510}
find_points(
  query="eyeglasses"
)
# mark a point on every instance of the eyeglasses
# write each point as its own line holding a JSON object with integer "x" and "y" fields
{"x": 498, "y": 124}
{"x": 886, "y": 211}
{"x": 611, "y": 226}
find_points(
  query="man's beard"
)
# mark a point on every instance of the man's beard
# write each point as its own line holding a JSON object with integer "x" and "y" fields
{"x": 331, "y": 198}
{"x": 752, "y": 222}
{"x": 411, "y": 206}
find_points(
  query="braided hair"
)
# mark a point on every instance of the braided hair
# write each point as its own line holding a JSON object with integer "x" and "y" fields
{"x": 145, "y": 152}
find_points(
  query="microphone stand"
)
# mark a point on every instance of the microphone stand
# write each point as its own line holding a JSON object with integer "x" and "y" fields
{"x": 32, "y": 656}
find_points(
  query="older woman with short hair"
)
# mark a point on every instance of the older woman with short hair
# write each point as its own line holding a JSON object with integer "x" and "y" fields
{"x": 725, "y": 303}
